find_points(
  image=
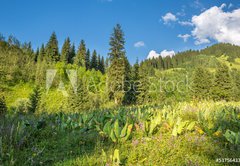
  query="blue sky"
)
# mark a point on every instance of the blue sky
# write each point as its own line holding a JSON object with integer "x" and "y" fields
{"x": 93, "y": 21}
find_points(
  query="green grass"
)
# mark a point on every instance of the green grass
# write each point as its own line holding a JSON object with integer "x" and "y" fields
{"x": 74, "y": 139}
{"x": 20, "y": 91}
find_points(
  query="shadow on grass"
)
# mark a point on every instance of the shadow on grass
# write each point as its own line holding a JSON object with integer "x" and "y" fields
{"x": 36, "y": 140}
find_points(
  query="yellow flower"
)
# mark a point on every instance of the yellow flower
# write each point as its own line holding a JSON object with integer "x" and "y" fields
{"x": 217, "y": 134}
{"x": 199, "y": 130}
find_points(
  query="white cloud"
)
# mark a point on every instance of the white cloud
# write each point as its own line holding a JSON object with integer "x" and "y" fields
{"x": 164, "y": 53}
{"x": 184, "y": 37}
{"x": 215, "y": 24}
{"x": 139, "y": 44}
{"x": 169, "y": 17}
{"x": 153, "y": 54}
{"x": 185, "y": 23}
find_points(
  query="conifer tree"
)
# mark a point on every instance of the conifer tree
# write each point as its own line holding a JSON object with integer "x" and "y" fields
{"x": 36, "y": 55}
{"x": 66, "y": 51}
{"x": 88, "y": 62}
{"x": 94, "y": 63}
{"x": 72, "y": 54}
{"x": 127, "y": 82}
{"x": 143, "y": 86}
{"x": 201, "y": 83}
{"x": 41, "y": 53}
{"x": 80, "y": 100}
{"x": 222, "y": 87}
{"x": 80, "y": 58}
{"x": 34, "y": 99}
{"x": 118, "y": 66}
{"x": 52, "y": 48}
{"x": 98, "y": 62}
{"x": 102, "y": 65}
{"x": 135, "y": 78}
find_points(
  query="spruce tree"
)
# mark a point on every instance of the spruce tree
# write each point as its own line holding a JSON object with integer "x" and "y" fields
{"x": 201, "y": 83}
{"x": 117, "y": 70}
{"x": 88, "y": 63}
{"x": 102, "y": 65}
{"x": 80, "y": 100}
{"x": 135, "y": 78}
{"x": 223, "y": 86}
{"x": 41, "y": 67}
{"x": 94, "y": 63}
{"x": 80, "y": 58}
{"x": 66, "y": 50}
{"x": 36, "y": 55}
{"x": 52, "y": 48}
{"x": 72, "y": 54}
{"x": 143, "y": 85}
{"x": 98, "y": 62}
{"x": 34, "y": 99}
{"x": 127, "y": 82}
{"x": 41, "y": 53}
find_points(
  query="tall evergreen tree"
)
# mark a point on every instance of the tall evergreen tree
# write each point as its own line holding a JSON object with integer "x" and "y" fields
{"x": 135, "y": 78}
{"x": 118, "y": 66}
{"x": 223, "y": 86}
{"x": 201, "y": 83}
{"x": 41, "y": 67}
{"x": 41, "y": 53}
{"x": 80, "y": 58}
{"x": 143, "y": 86}
{"x": 88, "y": 62}
{"x": 72, "y": 54}
{"x": 98, "y": 62}
{"x": 94, "y": 63}
{"x": 66, "y": 51}
{"x": 34, "y": 99}
{"x": 80, "y": 100}
{"x": 102, "y": 65}
{"x": 36, "y": 55}
{"x": 52, "y": 48}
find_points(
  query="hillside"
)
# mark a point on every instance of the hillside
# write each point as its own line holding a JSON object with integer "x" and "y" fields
{"x": 172, "y": 111}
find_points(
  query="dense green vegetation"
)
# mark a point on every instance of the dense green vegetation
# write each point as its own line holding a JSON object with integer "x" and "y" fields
{"x": 73, "y": 107}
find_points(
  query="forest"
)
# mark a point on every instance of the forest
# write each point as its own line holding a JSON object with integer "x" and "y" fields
{"x": 76, "y": 107}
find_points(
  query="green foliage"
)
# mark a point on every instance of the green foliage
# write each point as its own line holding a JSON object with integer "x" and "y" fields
{"x": 232, "y": 137}
{"x": 66, "y": 51}
{"x": 115, "y": 132}
{"x": 79, "y": 100}
{"x": 34, "y": 99}
{"x": 52, "y": 49}
{"x": 117, "y": 72}
{"x": 3, "y": 106}
{"x": 223, "y": 87}
{"x": 152, "y": 124}
{"x": 88, "y": 61}
{"x": 80, "y": 58}
{"x": 94, "y": 64}
{"x": 113, "y": 159}
{"x": 202, "y": 83}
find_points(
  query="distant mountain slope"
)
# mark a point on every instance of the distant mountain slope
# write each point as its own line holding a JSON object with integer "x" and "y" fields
{"x": 232, "y": 51}
{"x": 209, "y": 57}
